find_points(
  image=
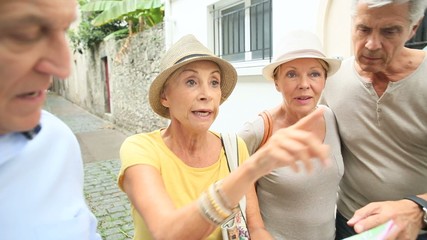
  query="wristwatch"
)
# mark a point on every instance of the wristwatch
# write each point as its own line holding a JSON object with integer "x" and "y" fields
{"x": 423, "y": 205}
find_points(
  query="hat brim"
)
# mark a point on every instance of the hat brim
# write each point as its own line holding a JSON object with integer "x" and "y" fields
{"x": 228, "y": 82}
{"x": 268, "y": 70}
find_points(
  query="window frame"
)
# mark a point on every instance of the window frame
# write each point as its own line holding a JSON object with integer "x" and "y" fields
{"x": 248, "y": 56}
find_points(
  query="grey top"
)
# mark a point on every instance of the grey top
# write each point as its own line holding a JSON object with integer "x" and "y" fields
{"x": 299, "y": 205}
{"x": 384, "y": 138}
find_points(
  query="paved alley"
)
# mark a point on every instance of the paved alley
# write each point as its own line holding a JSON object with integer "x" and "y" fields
{"x": 100, "y": 143}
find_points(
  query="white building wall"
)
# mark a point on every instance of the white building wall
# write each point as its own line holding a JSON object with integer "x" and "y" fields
{"x": 334, "y": 27}
{"x": 253, "y": 93}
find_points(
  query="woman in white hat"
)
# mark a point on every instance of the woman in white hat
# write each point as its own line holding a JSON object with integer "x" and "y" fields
{"x": 298, "y": 205}
{"x": 177, "y": 178}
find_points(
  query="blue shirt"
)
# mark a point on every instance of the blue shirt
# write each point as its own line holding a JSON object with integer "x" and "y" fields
{"x": 41, "y": 186}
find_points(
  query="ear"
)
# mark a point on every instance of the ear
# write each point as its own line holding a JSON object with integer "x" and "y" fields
{"x": 275, "y": 85}
{"x": 415, "y": 28}
{"x": 163, "y": 100}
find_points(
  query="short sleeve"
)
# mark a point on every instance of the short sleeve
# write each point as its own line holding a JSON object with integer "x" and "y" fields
{"x": 138, "y": 149}
{"x": 243, "y": 151}
{"x": 252, "y": 134}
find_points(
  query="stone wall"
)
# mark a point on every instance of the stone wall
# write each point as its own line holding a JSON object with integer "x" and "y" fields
{"x": 132, "y": 64}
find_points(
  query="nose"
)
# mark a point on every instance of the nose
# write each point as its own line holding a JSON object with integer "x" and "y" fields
{"x": 205, "y": 92}
{"x": 55, "y": 60}
{"x": 304, "y": 82}
{"x": 373, "y": 42}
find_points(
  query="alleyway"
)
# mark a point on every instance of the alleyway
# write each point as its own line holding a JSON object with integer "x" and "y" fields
{"x": 100, "y": 143}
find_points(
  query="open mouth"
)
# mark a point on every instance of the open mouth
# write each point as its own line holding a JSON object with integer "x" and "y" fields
{"x": 303, "y": 98}
{"x": 202, "y": 113}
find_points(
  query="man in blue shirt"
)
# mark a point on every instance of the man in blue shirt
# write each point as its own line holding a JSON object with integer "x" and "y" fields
{"x": 41, "y": 169}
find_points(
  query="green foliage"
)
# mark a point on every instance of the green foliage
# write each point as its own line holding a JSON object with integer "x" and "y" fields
{"x": 125, "y": 10}
{"x": 113, "y": 18}
{"x": 87, "y": 36}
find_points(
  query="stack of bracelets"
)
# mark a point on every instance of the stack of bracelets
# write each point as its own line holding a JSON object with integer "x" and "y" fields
{"x": 214, "y": 205}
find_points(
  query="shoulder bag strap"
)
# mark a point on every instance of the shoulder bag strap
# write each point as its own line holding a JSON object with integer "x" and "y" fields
{"x": 229, "y": 142}
{"x": 268, "y": 127}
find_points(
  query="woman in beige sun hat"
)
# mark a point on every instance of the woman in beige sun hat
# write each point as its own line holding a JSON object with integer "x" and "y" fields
{"x": 298, "y": 205}
{"x": 177, "y": 178}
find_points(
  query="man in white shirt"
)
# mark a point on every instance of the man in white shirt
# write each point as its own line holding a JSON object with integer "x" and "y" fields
{"x": 41, "y": 169}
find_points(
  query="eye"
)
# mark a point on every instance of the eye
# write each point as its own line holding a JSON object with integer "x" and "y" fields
{"x": 315, "y": 74}
{"x": 190, "y": 82}
{"x": 215, "y": 82}
{"x": 291, "y": 74}
{"x": 363, "y": 30}
{"x": 389, "y": 32}
{"x": 26, "y": 35}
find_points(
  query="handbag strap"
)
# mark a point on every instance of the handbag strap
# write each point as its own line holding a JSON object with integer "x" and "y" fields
{"x": 229, "y": 142}
{"x": 268, "y": 127}
{"x": 231, "y": 149}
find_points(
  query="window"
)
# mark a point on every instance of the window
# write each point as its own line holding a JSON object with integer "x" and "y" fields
{"x": 242, "y": 31}
{"x": 419, "y": 41}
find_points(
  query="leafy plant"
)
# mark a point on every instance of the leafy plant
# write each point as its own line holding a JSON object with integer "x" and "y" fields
{"x": 136, "y": 13}
{"x": 117, "y": 18}
{"x": 87, "y": 36}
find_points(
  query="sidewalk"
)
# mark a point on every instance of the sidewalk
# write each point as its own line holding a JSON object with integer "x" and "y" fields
{"x": 100, "y": 143}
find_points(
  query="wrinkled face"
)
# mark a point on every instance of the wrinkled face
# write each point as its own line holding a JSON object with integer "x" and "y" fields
{"x": 193, "y": 95}
{"x": 301, "y": 83}
{"x": 33, "y": 48}
{"x": 379, "y": 35}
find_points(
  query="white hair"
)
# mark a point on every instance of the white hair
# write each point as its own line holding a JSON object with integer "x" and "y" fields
{"x": 416, "y": 7}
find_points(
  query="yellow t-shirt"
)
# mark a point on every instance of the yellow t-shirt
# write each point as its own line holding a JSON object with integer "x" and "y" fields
{"x": 183, "y": 183}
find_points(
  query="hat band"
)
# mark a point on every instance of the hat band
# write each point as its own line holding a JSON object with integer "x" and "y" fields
{"x": 191, "y": 56}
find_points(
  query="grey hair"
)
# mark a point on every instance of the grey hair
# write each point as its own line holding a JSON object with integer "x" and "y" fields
{"x": 416, "y": 7}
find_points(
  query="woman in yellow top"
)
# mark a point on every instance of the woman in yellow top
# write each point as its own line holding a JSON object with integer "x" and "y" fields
{"x": 177, "y": 178}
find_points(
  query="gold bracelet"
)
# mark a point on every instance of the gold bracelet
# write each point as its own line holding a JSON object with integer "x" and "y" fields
{"x": 206, "y": 211}
{"x": 224, "y": 212}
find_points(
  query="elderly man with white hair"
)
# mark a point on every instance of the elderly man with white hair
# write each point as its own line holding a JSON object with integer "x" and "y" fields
{"x": 379, "y": 99}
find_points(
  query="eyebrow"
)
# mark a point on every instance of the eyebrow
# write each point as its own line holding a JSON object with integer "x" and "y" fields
{"x": 393, "y": 27}
{"x": 31, "y": 20}
{"x": 361, "y": 25}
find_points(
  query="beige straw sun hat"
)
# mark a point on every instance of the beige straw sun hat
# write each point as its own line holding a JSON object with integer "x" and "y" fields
{"x": 300, "y": 44}
{"x": 186, "y": 50}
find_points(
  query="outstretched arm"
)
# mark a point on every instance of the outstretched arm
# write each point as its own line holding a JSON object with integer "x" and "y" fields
{"x": 145, "y": 188}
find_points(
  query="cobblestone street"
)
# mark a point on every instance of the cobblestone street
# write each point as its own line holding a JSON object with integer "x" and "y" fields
{"x": 108, "y": 203}
{"x": 100, "y": 143}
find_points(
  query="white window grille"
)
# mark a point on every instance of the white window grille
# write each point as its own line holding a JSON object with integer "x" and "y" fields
{"x": 242, "y": 30}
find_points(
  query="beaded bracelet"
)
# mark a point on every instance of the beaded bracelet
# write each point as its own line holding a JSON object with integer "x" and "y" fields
{"x": 213, "y": 196}
{"x": 206, "y": 210}
{"x": 213, "y": 206}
